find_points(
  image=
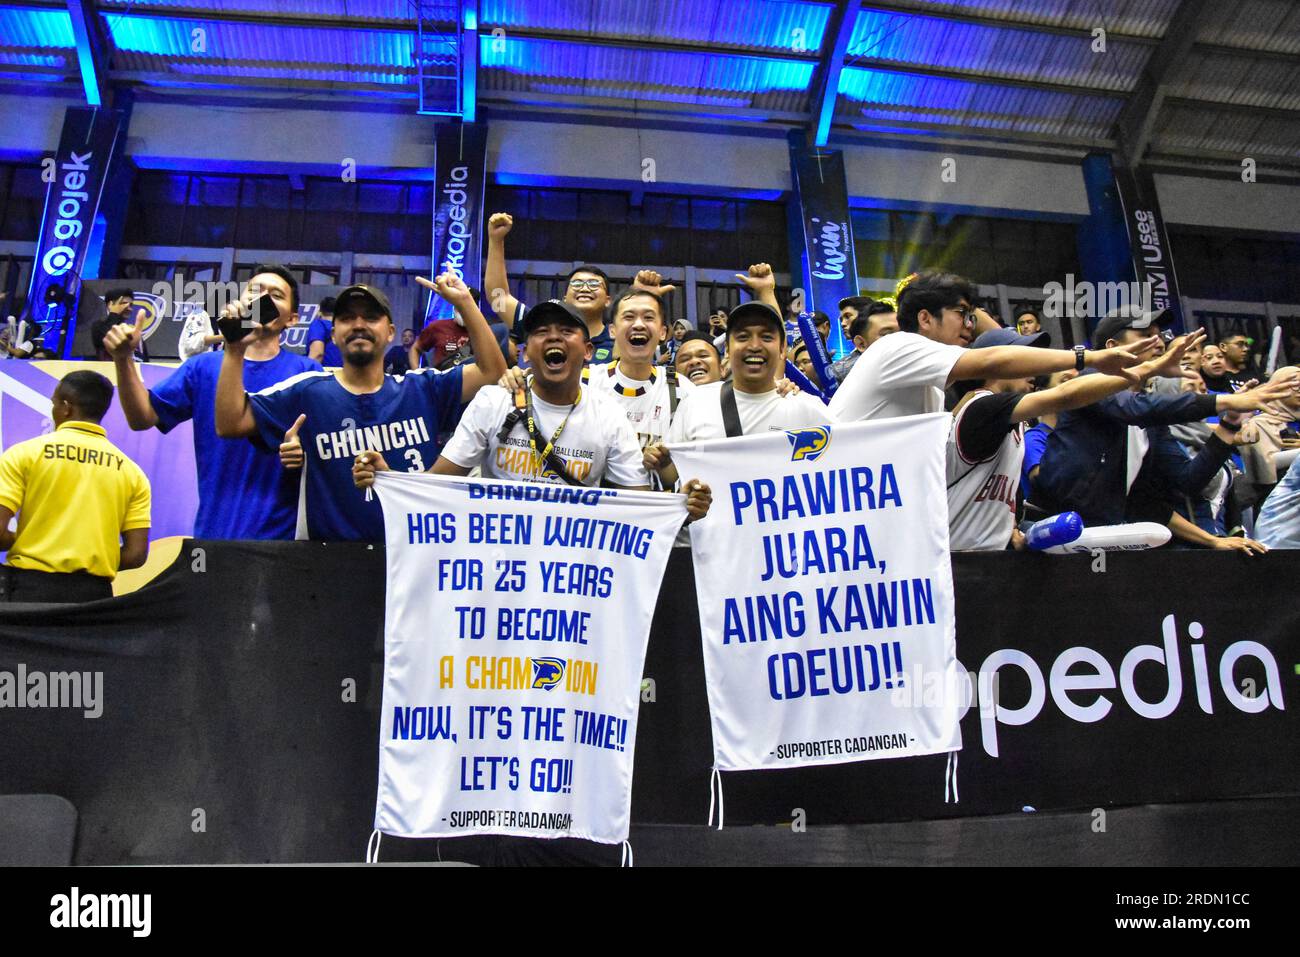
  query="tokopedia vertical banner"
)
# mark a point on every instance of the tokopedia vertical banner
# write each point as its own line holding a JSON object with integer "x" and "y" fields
{"x": 515, "y": 637}
{"x": 829, "y": 264}
{"x": 1149, "y": 241}
{"x": 91, "y": 138}
{"x": 825, "y": 593}
{"x": 460, "y": 167}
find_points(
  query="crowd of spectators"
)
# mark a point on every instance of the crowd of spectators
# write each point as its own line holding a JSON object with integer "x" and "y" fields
{"x": 596, "y": 388}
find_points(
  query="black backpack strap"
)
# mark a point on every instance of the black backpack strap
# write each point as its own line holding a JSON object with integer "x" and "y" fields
{"x": 671, "y": 374}
{"x": 514, "y": 417}
{"x": 730, "y": 414}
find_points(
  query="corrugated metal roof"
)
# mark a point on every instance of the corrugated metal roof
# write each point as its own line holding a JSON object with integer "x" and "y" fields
{"x": 1272, "y": 25}
{"x": 754, "y": 24}
{"x": 36, "y": 28}
{"x": 1237, "y": 80}
{"x": 994, "y": 51}
{"x": 523, "y": 63}
{"x": 397, "y": 10}
{"x": 150, "y": 42}
{"x": 1146, "y": 18}
{"x": 959, "y": 103}
{"x": 1186, "y": 128}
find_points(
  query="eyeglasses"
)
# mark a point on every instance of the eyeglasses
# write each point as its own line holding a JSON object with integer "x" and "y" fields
{"x": 592, "y": 284}
{"x": 967, "y": 317}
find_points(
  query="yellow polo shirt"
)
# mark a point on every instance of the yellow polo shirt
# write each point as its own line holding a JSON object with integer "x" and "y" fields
{"x": 74, "y": 493}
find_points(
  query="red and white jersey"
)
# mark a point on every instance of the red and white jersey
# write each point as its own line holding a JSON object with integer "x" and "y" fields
{"x": 985, "y": 454}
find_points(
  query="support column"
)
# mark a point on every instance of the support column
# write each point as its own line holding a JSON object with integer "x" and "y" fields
{"x": 460, "y": 175}
{"x": 822, "y": 259}
{"x": 71, "y": 243}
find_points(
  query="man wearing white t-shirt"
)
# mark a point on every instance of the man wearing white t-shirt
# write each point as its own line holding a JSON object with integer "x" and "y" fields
{"x": 554, "y": 430}
{"x": 906, "y": 373}
{"x": 649, "y": 396}
{"x": 749, "y": 403}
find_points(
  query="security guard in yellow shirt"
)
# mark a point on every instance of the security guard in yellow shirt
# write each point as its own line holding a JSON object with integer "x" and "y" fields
{"x": 82, "y": 506}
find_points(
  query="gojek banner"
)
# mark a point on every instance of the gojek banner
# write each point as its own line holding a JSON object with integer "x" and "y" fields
{"x": 515, "y": 636}
{"x": 825, "y": 594}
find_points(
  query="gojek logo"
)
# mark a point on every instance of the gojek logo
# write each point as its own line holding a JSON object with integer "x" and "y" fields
{"x": 58, "y": 260}
{"x": 1065, "y": 687}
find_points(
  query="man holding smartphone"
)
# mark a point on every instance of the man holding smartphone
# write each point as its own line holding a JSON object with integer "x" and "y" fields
{"x": 334, "y": 416}
{"x": 244, "y": 492}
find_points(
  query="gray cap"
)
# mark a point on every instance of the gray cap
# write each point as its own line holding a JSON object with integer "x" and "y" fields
{"x": 1128, "y": 317}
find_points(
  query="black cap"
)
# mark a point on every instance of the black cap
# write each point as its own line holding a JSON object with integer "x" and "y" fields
{"x": 550, "y": 311}
{"x": 1128, "y": 317}
{"x": 369, "y": 293}
{"x": 754, "y": 310}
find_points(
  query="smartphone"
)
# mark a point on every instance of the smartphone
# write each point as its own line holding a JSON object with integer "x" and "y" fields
{"x": 262, "y": 309}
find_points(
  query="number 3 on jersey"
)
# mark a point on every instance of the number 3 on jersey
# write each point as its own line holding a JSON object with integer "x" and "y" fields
{"x": 416, "y": 459}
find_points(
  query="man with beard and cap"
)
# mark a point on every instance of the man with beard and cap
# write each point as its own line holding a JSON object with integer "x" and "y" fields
{"x": 586, "y": 290}
{"x": 750, "y": 402}
{"x": 554, "y": 429}
{"x": 244, "y": 492}
{"x": 340, "y": 414}
{"x": 986, "y": 444}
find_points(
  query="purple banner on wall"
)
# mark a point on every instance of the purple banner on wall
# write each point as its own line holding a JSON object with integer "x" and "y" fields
{"x": 460, "y": 169}
{"x": 86, "y": 148}
{"x": 167, "y": 460}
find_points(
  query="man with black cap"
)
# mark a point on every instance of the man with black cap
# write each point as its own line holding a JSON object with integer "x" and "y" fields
{"x": 336, "y": 415}
{"x": 1096, "y": 453}
{"x": 986, "y": 444}
{"x": 747, "y": 404}
{"x": 553, "y": 430}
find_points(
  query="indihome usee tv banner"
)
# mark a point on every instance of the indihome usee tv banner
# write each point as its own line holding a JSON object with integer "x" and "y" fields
{"x": 515, "y": 635}
{"x": 825, "y": 594}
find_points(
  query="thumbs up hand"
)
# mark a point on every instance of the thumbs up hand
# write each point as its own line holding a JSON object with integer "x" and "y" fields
{"x": 123, "y": 338}
{"x": 291, "y": 454}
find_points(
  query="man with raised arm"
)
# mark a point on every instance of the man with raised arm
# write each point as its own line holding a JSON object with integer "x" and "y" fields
{"x": 357, "y": 406}
{"x": 906, "y": 373}
{"x": 244, "y": 492}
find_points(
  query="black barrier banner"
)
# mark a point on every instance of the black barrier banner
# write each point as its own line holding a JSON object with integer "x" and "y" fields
{"x": 1149, "y": 241}
{"x": 86, "y": 148}
{"x": 829, "y": 262}
{"x": 460, "y": 168}
{"x": 229, "y": 711}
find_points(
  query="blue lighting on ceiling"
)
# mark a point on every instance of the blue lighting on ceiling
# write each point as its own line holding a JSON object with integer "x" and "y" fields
{"x": 776, "y": 24}
{"x": 552, "y": 59}
{"x": 22, "y": 27}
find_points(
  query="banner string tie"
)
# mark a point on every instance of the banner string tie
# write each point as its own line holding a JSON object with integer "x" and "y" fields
{"x": 372, "y": 846}
{"x": 715, "y": 790}
{"x": 626, "y": 860}
{"x": 950, "y": 779}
